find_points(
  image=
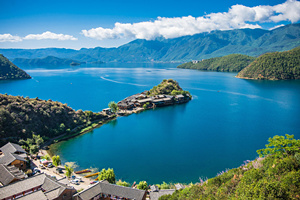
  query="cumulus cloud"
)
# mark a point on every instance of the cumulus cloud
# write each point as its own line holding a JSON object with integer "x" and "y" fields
{"x": 9, "y": 38}
{"x": 238, "y": 16}
{"x": 49, "y": 35}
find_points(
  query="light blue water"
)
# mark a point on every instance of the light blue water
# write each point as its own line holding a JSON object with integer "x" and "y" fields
{"x": 225, "y": 123}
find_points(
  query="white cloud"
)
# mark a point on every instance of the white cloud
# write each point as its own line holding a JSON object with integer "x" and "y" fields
{"x": 9, "y": 38}
{"x": 49, "y": 35}
{"x": 238, "y": 16}
{"x": 276, "y": 27}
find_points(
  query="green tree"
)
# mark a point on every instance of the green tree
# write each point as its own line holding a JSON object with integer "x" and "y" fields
{"x": 47, "y": 157}
{"x": 281, "y": 146}
{"x": 113, "y": 106}
{"x": 164, "y": 186}
{"x": 34, "y": 149}
{"x": 56, "y": 160}
{"x": 69, "y": 170}
{"x": 143, "y": 185}
{"x": 108, "y": 174}
{"x": 123, "y": 183}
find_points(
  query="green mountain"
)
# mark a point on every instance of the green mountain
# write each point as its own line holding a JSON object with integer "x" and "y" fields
{"x": 252, "y": 42}
{"x": 276, "y": 175}
{"x": 49, "y": 60}
{"x": 274, "y": 66}
{"x": 10, "y": 71}
{"x": 230, "y": 63}
{"x": 21, "y": 117}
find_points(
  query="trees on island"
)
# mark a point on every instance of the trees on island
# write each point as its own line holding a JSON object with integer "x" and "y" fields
{"x": 113, "y": 106}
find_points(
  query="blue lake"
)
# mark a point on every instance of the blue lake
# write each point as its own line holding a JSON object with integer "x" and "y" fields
{"x": 225, "y": 123}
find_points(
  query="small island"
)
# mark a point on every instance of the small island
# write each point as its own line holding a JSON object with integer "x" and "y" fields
{"x": 10, "y": 71}
{"x": 168, "y": 92}
{"x": 274, "y": 66}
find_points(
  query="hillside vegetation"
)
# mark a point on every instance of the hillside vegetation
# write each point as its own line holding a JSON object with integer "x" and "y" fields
{"x": 10, "y": 71}
{"x": 274, "y": 66}
{"x": 230, "y": 63}
{"x": 252, "y": 42}
{"x": 49, "y": 60}
{"x": 167, "y": 87}
{"x": 21, "y": 117}
{"x": 275, "y": 175}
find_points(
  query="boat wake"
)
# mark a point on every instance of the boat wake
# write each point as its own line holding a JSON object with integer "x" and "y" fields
{"x": 106, "y": 79}
{"x": 239, "y": 94}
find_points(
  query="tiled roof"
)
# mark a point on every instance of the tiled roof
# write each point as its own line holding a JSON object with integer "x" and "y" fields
{"x": 9, "y": 173}
{"x": 51, "y": 187}
{"x": 21, "y": 186}
{"x": 9, "y": 158}
{"x": 12, "y": 148}
{"x": 116, "y": 190}
{"x": 38, "y": 195}
{"x": 156, "y": 195}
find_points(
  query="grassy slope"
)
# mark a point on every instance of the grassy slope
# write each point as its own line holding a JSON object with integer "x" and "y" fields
{"x": 230, "y": 63}
{"x": 271, "y": 177}
{"x": 274, "y": 66}
{"x": 10, "y": 71}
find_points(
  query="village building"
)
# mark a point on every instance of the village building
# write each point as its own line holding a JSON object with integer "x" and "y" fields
{"x": 10, "y": 174}
{"x": 105, "y": 190}
{"x": 13, "y": 155}
{"x": 107, "y": 111}
{"x": 40, "y": 186}
{"x": 155, "y": 193}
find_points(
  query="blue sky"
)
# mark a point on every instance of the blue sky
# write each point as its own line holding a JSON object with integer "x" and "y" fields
{"x": 78, "y": 24}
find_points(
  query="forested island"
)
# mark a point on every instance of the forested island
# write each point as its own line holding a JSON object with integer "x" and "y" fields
{"x": 21, "y": 117}
{"x": 10, "y": 71}
{"x": 274, "y": 66}
{"x": 230, "y": 63}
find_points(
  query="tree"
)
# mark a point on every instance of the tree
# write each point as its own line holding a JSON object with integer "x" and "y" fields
{"x": 123, "y": 183}
{"x": 113, "y": 106}
{"x": 108, "y": 174}
{"x": 142, "y": 185}
{"x": 47, "y": 157}
{"x": 34, "y": 149}
{"x": 281, "y": 146}
{"x": 56, "y": 160}
{"x": 69, "y": 170}
{"x": 33, "y": 144}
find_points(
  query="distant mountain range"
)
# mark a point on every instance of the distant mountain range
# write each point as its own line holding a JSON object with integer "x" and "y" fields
{"x": 49, "y": 60}
{"x": 252, "y": 42}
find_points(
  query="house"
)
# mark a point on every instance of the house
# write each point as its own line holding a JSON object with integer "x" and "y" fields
{"x": 13, "y": 154}
{"x": 179, "y": 98}
{"x": 10, "y": 174}
{"x": 156, "y": 193}
{"x": 105, "y": 190}
{"x": 144, "y": 101}
{"x": 40, "y": 186}
{"x": 179, "y": 186}
{"x": 107, "y": 111}
{"x": 125, "y": 105}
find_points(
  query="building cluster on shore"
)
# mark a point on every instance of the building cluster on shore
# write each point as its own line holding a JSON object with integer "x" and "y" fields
{"x": 140, "y": 100}
{"x": 15, "y": 184}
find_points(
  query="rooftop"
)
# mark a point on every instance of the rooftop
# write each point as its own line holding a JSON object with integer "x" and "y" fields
{"x": 12, "y": 148}
{"x": 10, "y": 173}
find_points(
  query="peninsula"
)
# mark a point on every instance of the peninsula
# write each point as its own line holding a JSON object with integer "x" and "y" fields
{"x": 10, "y": 71}
{"x": 230, "y": 63}
{"x": 274, "y": 66}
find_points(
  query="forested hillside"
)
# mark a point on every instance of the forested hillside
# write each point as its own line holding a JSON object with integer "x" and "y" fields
{"x": 275, "y": 175}
{"x": 10, "y": 71}
{"x": 21, "y": 117}
{"x": 274, "y": 66}
{"x": 230, "y": 63}
{"x": 49, "y": 60}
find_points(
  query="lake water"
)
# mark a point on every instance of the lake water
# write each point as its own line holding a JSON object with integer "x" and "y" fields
{"x": 225, "y": 123}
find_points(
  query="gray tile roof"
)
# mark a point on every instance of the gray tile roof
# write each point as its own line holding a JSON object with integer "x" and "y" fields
{"x": 51, "y": 187}
{"x": 9, "y": 158}
{"x": 21, "y": 186}
{"x": 179, "y": 186}
{"x": 9, "y": 173}
{"x": 116, "y": 190}
{"x": 156, "y": 195}
{"x": 38, "y": 195}
{"x": 12, "y": 148}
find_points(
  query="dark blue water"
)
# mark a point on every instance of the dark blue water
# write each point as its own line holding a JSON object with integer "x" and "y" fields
{"x": 225, "y": 123}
